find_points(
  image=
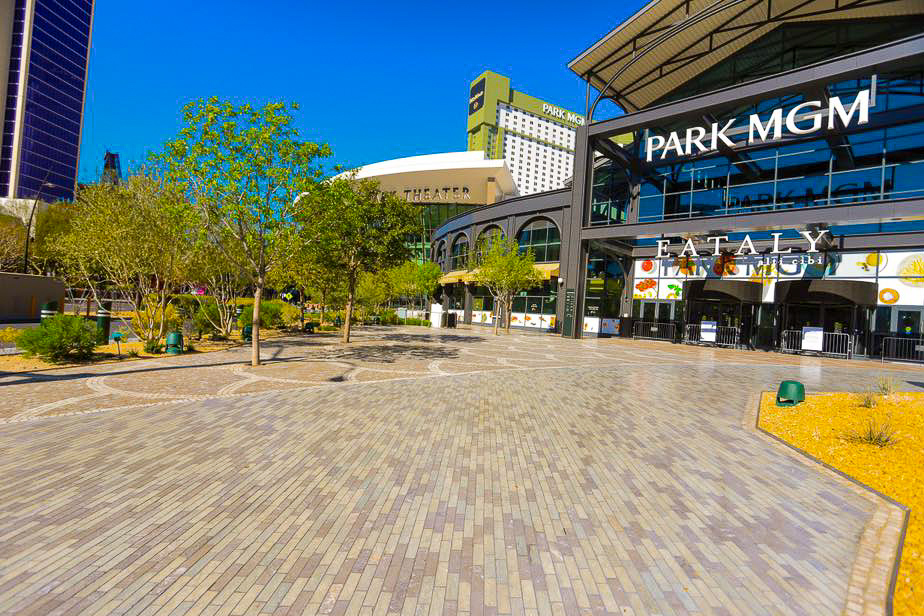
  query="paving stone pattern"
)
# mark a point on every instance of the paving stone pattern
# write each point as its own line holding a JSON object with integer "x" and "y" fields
{"x": 421, "y": 474}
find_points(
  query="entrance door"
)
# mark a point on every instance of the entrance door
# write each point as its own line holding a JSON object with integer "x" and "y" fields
{"x": 657, "y": 311}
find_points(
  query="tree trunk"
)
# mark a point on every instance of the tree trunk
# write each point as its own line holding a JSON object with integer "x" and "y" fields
{"x": 508, "y": 304}
{"x": 348, "y": 313}
{"x": 498, "y": 312}
{"x": 255, "y": 323}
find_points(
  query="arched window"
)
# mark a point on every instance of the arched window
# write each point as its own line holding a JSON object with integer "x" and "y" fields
{"x": 440, "y": 256}
{"x": 487, "y": 236}
{"x": 458, "y": 256}
{"x": 542, "y": 237}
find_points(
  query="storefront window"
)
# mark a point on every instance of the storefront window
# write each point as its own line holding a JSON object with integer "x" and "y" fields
{"x": 542, "y": 238}
{"x": 610, "y": 200}
{"x": 604, "y": 285}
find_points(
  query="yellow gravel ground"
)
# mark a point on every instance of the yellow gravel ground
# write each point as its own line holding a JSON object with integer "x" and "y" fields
{"x": 825, "y": 426}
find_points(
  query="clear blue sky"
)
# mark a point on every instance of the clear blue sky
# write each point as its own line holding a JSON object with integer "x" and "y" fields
{"x": 375, "y": 80}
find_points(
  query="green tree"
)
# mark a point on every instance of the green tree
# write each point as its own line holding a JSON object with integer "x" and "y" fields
{"x": 505, "y": 272}
{"x": 414, "y": 281}
{"x": 132, "y": 241}
{"x": 50, "y": 222}
{"x": 219, "y": 280}
{"x": 12, "y": 243}
{"x": 374, "y": 290}
{"x": 244, "y": 169}
{"x": 361, "y": 229}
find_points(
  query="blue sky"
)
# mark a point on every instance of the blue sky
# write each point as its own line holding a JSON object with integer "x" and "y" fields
{"x": 376, "y": 80}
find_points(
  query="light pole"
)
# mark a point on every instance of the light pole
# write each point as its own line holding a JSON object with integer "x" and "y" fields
{"x": 25, "y": 258}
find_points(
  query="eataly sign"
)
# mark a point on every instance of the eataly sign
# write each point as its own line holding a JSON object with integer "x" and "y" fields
{"x": 745, "y": 248}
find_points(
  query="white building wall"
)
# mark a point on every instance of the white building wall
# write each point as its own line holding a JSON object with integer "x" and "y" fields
{"x": 538, "y": 151}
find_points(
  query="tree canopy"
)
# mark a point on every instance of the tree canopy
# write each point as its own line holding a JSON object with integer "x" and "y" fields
{"x": 244, "y": 169}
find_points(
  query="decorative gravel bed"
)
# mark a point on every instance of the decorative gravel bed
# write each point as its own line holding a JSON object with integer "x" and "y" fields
{"x": 878, "y": 440}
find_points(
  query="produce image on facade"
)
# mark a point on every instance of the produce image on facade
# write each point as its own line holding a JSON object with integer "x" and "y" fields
{"x": 764, "y": 187}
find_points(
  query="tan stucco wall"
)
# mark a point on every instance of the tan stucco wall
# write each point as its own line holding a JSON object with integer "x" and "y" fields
{"x": 22, "y": 295}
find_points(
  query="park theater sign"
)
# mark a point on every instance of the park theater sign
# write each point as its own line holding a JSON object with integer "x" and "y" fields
{"x": 758, "y": 131}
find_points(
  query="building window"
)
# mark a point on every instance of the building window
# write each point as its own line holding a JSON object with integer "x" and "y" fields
{"x": 459, "y": 253}
{"x": 542, "y": 238}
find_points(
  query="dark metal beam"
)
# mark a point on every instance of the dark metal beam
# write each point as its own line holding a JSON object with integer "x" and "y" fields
{"x": 892, "y": 55}
{"x": 649, "y": 77}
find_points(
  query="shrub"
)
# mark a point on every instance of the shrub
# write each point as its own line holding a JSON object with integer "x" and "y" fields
{"x": 415, "y": 321}
{"x": 8, "y": 336}
{"x": 328, "y": 328}
{"x": 208, "y": 310}
{"x": 867, "y": 399}
{"x": 58, "y": 338}
{"x": 886, "y": 385}
{"x": 154, "y": 347}
{"x": 291, "y": 314}
{"x": 186, "y": 305}
{"x": 880, "y": 435}
{"x": 133, "y": 353}
{"x": 270, "y": 314}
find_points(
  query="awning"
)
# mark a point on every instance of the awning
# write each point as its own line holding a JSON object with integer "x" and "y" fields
{"x": 548, "y": 270}
{"x": 819, "y": 291}
{"x": 711, "y": 288}
{"x": 456, "y": 276}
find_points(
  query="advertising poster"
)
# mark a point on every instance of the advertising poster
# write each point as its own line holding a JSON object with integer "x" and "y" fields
{"x": 707, "y": 330}
{"x": 812, "y": 338}
{"x": 609, "y": 326}
{"x": 591, "y": 325}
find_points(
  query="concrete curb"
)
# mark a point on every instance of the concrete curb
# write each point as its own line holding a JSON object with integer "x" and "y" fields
{"x": 871, "y": 586}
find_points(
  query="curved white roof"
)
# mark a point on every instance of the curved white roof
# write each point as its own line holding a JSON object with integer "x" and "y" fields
{"x": 443, "y": 177}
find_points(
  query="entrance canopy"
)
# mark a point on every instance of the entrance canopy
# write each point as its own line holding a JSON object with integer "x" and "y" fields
{"x": 859, "y": 292}
{"x": 738, "y": 290}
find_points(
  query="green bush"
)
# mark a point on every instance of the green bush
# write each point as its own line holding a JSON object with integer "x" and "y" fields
{"x": 186, "y": 306}
{"x": 270, "y": 314}
{"x": 59, "y": 338}
{"x": 422, "y": 322}
{"x": 154, "y": 347}
{"x": 327, "y": 328}
{"x": 208, "y": 310}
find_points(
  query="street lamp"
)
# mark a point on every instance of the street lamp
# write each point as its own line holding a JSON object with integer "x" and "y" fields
{"x": 25, "y": 258}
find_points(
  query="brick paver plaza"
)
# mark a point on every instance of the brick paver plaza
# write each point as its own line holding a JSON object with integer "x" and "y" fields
{"x": 416, "y": 473}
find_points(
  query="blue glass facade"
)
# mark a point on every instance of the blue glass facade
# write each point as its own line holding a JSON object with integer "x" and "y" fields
{"x": 54, "y": 93}
{"x": 877, "y": 161}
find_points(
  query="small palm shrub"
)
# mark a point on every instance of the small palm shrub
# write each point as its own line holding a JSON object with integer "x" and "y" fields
{"x": 886, "y": 385}
{"x": 59, "y": 338}
{"x": 878, "y": 434}
{"x": 867, "y": 399}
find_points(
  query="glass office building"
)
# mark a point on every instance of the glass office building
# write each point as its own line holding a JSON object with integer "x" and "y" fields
{"x": 44, "y": 48}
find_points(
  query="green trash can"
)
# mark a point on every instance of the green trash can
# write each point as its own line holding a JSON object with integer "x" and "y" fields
{"x": 175, "y": 343}
{"x": 49, "y": 309}
{"x": 790, "y": 393}
{"x": 247, "y": 333}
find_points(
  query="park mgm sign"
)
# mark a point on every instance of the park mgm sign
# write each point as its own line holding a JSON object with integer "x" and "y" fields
{"x": 700, "y": 140}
